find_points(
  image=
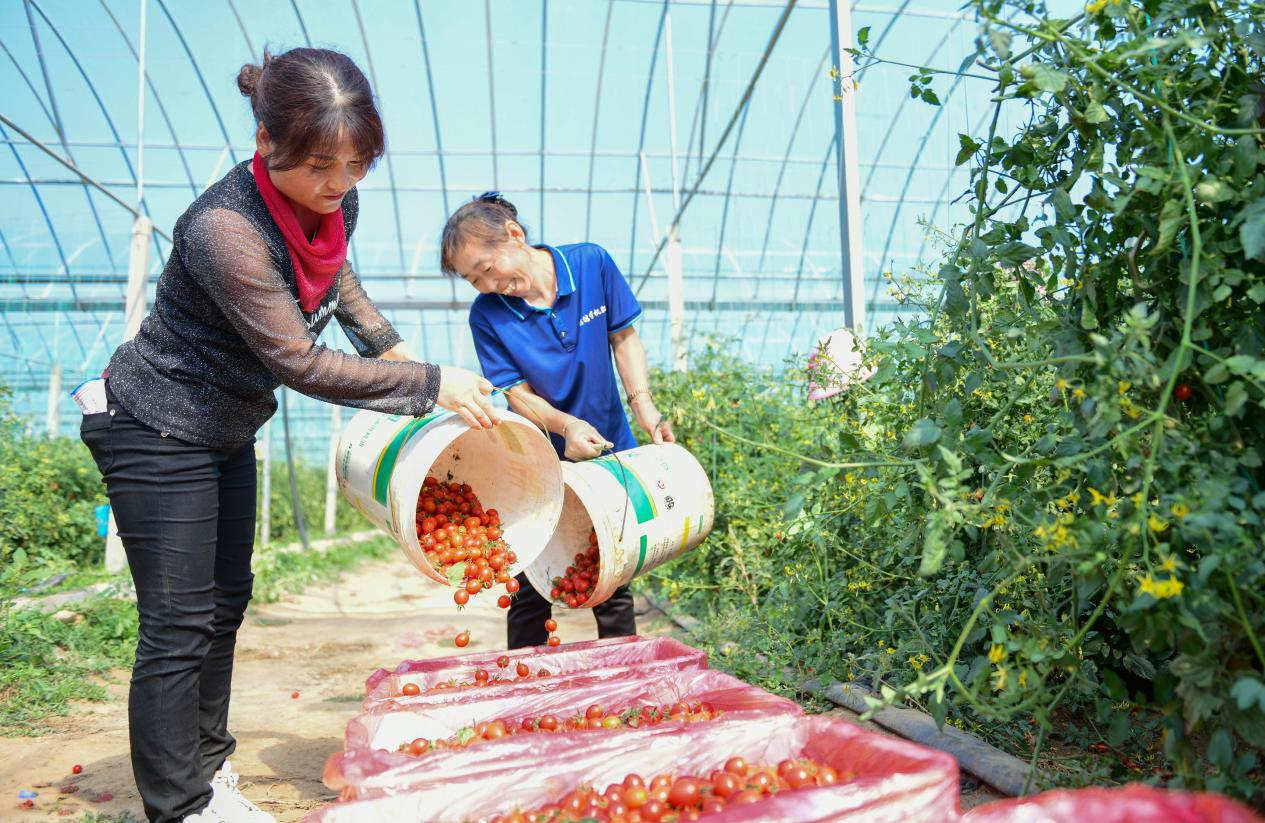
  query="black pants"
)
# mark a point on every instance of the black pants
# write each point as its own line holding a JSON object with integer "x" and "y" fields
{"x": 529, "y": 611}
{"x": 186, "y": 516}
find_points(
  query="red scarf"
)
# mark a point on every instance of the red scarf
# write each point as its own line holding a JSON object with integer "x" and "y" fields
{"x": 316, "y": 261}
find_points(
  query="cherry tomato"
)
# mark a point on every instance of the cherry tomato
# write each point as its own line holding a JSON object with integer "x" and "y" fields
{"x": 1181, "y": 392}
{"x": 462, "y": 640}
{"x": 684, "y": 792}
{"x": 551, "y": 625}
{"x": 411, "y": 689}
{"x": 554, "y": 640}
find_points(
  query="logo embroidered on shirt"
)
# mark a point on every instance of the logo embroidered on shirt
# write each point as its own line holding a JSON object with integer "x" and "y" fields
{"x": 324, "y": 310}
{"x": 594, "y": 314}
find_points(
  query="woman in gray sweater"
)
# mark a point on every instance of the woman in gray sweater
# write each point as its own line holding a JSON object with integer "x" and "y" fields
{"x": 258, "y": 266}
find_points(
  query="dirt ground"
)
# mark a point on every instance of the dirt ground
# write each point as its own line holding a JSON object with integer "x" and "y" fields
{"x": 321, "y": 644}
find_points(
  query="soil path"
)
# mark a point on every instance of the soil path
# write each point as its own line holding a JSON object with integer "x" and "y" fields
{"x": 321, "y": 644}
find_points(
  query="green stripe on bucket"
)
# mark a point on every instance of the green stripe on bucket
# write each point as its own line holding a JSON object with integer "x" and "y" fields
{"x": 386, "y": 461}
{"x": 641, "y": 503}
{"x": 641, "y": 559}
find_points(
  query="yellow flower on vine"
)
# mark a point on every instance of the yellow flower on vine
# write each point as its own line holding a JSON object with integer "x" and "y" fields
{"x": 1179, "y": 510}
{"x": 1023, "y": 678}
{"x": 1156, "y": 524}
{"x": 1096, "y": 497}
{"x": 1061, "y": 384}
{"x": 1095, "y": 6}
{"x": 1169, "y": 564}
{"x": 1160, "y": 589}
{"x": 1122, "y": 387}
{"x": 997, "y": 653}
{"x": 999, "y": 679}
{"x": 1078, "y": 393}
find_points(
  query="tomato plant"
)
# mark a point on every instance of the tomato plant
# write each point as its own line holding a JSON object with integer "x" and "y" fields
{"x": 1040, "y": 517}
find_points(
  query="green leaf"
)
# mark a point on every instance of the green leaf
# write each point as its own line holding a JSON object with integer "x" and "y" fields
{"x": 1220, "y": 749}
{"x": 1214, "y": 191}
{"x": 967, "y": 149}
{"x": 1095, "y": 114}
{"x": 1000, "y": 41}
{"x": 929, "y": 96}
{"x": 1246, "y": 157}
{"x": 456, "y": 574}
{"x": 1062, "y": 203}
{"x": 1248, "y": 691}
{"x": 1118, "y": 731}
{"x": 794, "y": 505}
{"x": 922, "y": 433}
{"x": 1171, "y": 215}
{"x": 1046, "y": 78}
{"x": 1217, "y": 374}
{"x": 863, "y": 36}
{"x": 1252, "y": 230}
{"x": 1235, "y": 397}
{"x": 934, "y": 546}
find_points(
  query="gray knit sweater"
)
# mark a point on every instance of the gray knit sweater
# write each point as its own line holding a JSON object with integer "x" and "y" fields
{"x": 226, "y": 329}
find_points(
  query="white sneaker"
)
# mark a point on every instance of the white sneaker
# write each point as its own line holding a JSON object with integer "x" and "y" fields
{"x": 227, "y": 803}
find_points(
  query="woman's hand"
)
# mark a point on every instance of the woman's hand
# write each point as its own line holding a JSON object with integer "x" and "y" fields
{"x": 467, "y": 394}
{"x": 652, "y": 423}
{"x": 583, "y": 441}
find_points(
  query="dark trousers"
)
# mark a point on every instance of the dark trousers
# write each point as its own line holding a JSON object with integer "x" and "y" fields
{"x": 186, "y": 516}
{"x": 529, "y": 611}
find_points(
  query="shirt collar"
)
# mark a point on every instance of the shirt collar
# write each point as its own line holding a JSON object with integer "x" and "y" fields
{"x": 566, "y": 285}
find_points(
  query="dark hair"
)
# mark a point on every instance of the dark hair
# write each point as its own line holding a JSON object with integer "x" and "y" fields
{"x": 307, "y": 99}
{"x": 482, "y": 219}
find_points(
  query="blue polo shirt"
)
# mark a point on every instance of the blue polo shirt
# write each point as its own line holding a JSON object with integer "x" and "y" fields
{"x": 563, "y": 352}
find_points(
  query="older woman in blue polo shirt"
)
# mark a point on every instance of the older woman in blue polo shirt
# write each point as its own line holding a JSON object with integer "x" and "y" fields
{"x": 545, "y": 324}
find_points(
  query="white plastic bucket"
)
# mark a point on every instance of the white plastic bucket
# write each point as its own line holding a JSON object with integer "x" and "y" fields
{"x": 647, "y": 505}
{"x": 383, "y": 459}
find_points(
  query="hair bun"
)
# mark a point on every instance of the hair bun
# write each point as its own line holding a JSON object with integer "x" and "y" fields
{"x": 498, "y": 199}
{"x": 248, "y": 79}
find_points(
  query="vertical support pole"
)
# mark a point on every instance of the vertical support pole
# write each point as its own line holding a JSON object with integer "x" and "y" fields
{"x": 53, "y": 420}
{"x": 265, "y": 521}
{"x": 137, "y": 275}
{"x": 134, "y": 313}
{"x": 844, "y": 108}
{"x": 331, "y": 474}
{"x": 676, "y": 297}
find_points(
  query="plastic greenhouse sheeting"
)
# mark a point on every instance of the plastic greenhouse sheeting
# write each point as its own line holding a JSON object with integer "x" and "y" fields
{"x": 590, "y": 659}
{"x": 1129, "y": 804}
{"x": 364, "y": 771}
{"x": 888, "y": 779}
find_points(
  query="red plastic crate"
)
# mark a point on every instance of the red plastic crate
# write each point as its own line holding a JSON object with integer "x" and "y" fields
{"x": 891, "y": 780}
{"x": 1129, "y": 804}
{"x": 584, "y": 661}
{"x": 358, "y": 773}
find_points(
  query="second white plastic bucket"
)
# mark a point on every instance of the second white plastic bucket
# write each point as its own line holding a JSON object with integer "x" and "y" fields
{"x": 383, "y": 459}
{"x": 647, "y": 506}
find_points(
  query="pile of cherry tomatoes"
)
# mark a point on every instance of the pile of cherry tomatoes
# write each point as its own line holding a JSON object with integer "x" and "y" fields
{"x": 464, "y": 542}
{"x": 595, "y": 718}
{"x": 576, "y": 585}
{"x": 668, "y": 797}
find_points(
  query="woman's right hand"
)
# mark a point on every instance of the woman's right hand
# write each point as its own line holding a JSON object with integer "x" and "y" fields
{"x": 583, "y": 441}
{"x": 467, "y": 394}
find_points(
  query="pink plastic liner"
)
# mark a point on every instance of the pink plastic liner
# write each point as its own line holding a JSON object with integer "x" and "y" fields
{"x": 360, "y": 773}
{"x": 892, "y": 780}
{"x": 586, "y": 661}
{"x": 1129, "y": 804}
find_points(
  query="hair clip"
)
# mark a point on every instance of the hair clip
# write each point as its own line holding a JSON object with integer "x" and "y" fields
{"x": 491, "y": 197}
